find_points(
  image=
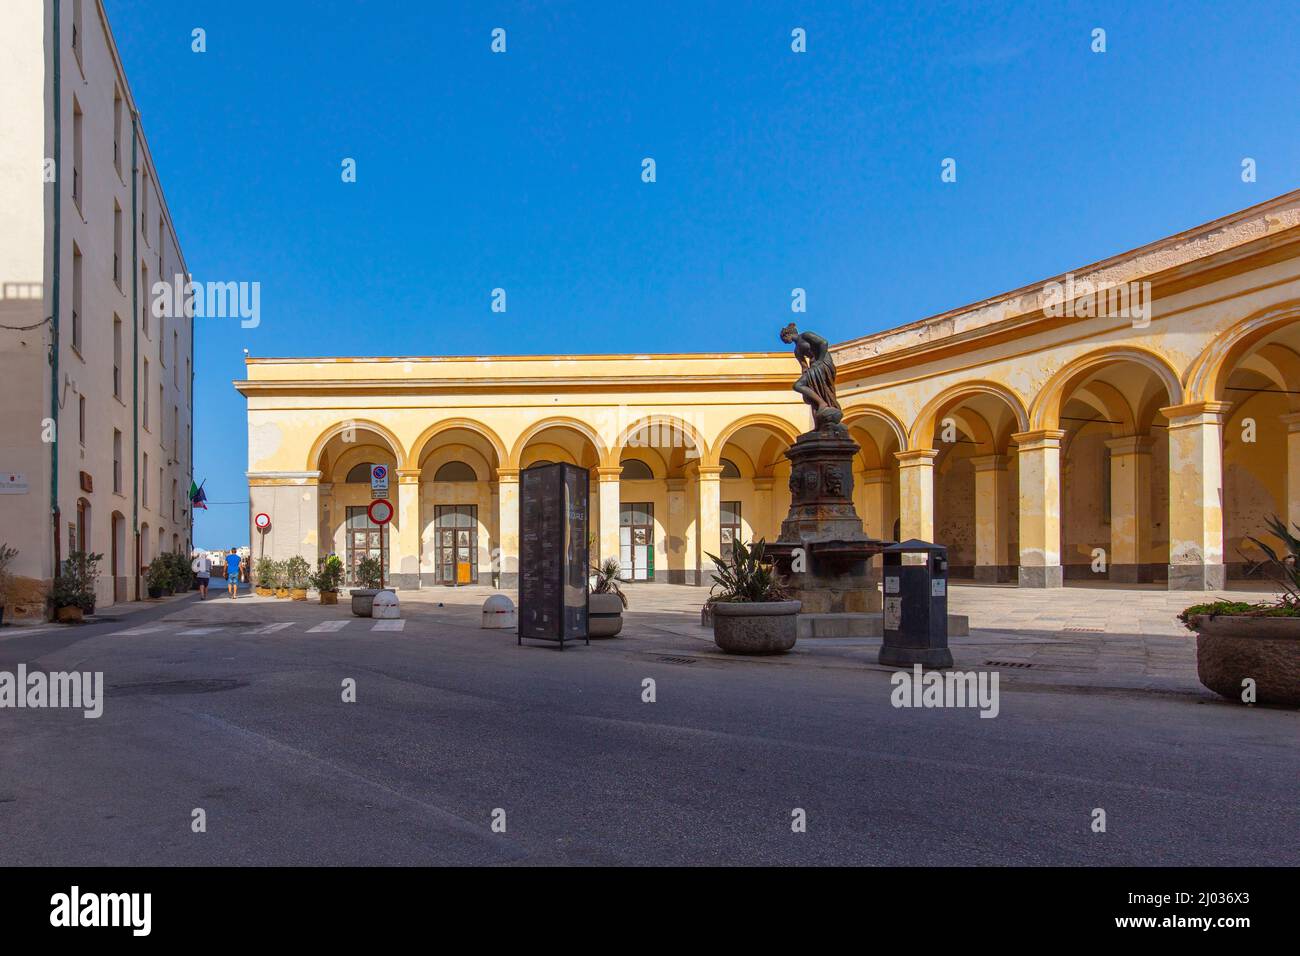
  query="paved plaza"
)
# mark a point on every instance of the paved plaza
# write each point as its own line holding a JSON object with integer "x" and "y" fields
{"x": 236, "y": 709}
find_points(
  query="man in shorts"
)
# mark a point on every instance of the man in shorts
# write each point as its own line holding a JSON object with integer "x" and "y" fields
{"x": 233, "y": 562}
{"x": 202, "y": 568}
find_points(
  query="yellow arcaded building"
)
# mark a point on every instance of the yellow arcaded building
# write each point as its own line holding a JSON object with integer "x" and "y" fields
{"x": 1130, "y": 420}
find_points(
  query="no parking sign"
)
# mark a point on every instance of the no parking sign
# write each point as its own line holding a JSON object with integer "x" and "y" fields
{"x": 379, "y": 481}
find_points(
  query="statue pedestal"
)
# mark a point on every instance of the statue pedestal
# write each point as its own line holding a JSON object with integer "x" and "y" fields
{"x": 823, "y": 551}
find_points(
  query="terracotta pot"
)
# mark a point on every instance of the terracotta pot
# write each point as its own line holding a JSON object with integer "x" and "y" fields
{"x": 767, "y": 627}
{"x": 264, "y": 592}
{"x": 1231, "y": 648}
{"x": 298, "y": 594}
{"x": 329, "y": 597}
{"x": 68, "y": 615}
{"x": 282, "y": 592}
{"x": 604, "y": 615}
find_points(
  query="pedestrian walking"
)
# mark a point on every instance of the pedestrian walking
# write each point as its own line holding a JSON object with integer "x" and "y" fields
{"x": 202, "y": 568}
{"x": 233, "y": 562}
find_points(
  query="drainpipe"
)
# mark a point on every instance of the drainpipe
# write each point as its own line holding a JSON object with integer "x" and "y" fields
{"x": 135, "y": 349}
{"x": 54, "y": 294}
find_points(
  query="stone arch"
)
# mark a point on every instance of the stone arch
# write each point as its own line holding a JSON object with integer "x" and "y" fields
{"x": 356, "y": 424}
{"x": 921, "y": 435}
{"x": 892, "y": 422}
{"x": 780, "y": 426}
{"x": 1208, "y": 373}
{"x": 557, "y": 421}
{"x": 468, "y": 424}
{"x": 672, "y": 423}
{"x": 1046, "y": 408}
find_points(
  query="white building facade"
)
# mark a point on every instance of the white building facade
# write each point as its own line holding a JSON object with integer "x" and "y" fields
{"x": 96, "y": 439}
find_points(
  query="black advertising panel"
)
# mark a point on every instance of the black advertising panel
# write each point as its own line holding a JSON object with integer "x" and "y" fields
{"x": 553, "y": 562}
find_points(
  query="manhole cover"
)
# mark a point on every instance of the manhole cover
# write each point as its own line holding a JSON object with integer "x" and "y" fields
{"x": 1007, "y": 664}
{"x": 164, "y": 687}
{"x": 678, "y": 660}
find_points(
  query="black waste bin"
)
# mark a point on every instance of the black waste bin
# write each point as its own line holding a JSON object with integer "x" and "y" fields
{"x": 916, "y": 606}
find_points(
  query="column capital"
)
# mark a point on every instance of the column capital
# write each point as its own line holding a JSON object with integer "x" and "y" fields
{"x": 916, "y": 456}
{"x": 1291, "y": 420}
{"x": 710, "y": 472}
{"x": 408, "y": 476}
{"x": 508, "y": 474}
{"x": 1038, "y": 438}
{"x": 1130, "y": 445}
{"x": 1196, "y": 413}
{"x": 989, "y": 463}
{"x": 676, "y": 484}
{"x": 876, "y": 476}
{"x": 763, "y": 484}
{"x": 609, "y": 472}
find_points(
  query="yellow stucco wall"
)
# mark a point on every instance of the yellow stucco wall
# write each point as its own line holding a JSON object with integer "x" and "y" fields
{"x": 1072, "y": 435}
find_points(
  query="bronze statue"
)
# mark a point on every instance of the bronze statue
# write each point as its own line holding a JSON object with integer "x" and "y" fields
{"x": 817, "y": 383}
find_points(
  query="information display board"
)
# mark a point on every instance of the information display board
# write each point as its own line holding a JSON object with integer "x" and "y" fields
{"x": 553, "y": 560}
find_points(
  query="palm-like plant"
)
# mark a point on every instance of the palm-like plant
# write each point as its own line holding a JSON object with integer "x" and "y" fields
{"x": 747, "y": 577}
{"x": 1284, "y": 569}
{"x": 606, "y": 574}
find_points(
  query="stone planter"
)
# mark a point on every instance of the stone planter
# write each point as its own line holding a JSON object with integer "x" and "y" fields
{"x": 329, "y": 597}
{"x": 1232, "y": 647}
{"x": 155, "y": 593}
{"x": 282, "y": 593}
{"x": 767, "y": 627}
{"x": 298, "y": 594}
{"x": 363, "y": 601}
{"x": 264, "y": 592}
{"x": 68, "y": 615}
{"x": 604, "y": 615}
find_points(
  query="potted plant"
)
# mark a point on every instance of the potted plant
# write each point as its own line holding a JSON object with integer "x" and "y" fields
{"x": 155, "y": 577}
{"x": 605, "y": 601}
{"x": 1251, "y": 652}
{"x": 7, "y": 555}
{"x": 369, "y": 576}
{"x": 181, "y": 576}
{"x": 73, "y": 593}
{"x": 264, "y": 571}
{"x": 296, "y": 573}
{"x": 280, "y": 579}
{"x": 751, "y": 613}
{"x": 327, "y": 577}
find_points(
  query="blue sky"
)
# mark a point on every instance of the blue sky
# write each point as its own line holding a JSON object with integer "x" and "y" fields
{"x": 775, "y": 170}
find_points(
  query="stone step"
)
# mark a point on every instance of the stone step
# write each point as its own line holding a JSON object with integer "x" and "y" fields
{"x": 864, "y": 625}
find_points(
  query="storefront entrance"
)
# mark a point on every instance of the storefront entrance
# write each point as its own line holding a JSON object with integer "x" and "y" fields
{"x": 456, "y": 544}
{"x": 365, "y": 539}
{"x": 636, "y": 540}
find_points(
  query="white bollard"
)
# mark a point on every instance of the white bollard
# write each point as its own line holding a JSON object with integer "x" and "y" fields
{"x": 499, "y": 612}
{"x": 386, "y": 607}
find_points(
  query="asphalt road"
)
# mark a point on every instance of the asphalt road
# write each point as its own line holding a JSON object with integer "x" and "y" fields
{"x": 452, "y": 723}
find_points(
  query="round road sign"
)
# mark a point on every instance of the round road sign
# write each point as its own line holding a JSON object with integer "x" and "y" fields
{"x": 380, "y": 511}
{"x": 263, "y": 521}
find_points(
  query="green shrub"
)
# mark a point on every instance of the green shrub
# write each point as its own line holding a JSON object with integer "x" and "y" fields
{"x": 370, "y": 573}
{"x": 75, "y": 585}
{"x": 264, "y": 572}
{"x": 296, "y": 572}
{"x": 328, "y": 574}
{"x": 606, "y": 574}
{"x": 747, "y": 577}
